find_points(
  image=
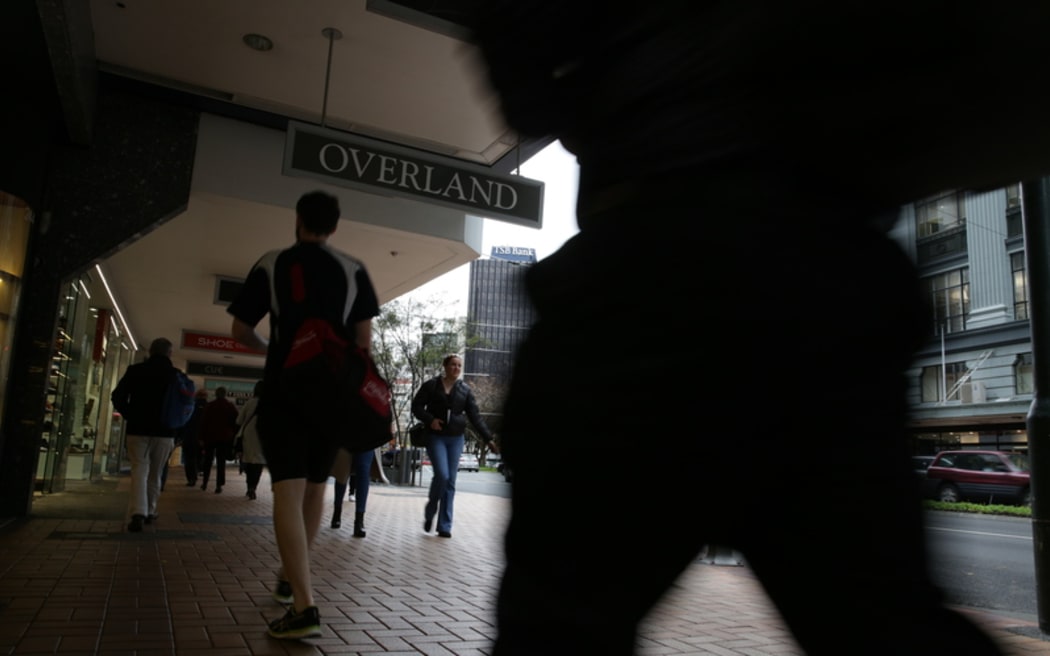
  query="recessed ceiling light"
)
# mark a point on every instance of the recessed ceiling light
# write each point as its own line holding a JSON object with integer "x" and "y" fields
{"x": 258, "y": 42}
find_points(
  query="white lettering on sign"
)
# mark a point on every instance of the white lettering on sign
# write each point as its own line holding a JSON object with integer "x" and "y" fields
{"x": 224, "y": 343}
{"x": 395, "y": 172}
{"x": 324, "y": 154}
{"x": 514, "y": 250}
{"x": 387, "y": 165}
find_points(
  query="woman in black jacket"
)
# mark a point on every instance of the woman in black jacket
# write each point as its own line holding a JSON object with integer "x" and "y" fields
{"x": 444, "y": 404}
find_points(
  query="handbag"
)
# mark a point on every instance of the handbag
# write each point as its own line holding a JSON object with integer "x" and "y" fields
{"x": 418, "y": 435}
{"x": 366, "y": 419}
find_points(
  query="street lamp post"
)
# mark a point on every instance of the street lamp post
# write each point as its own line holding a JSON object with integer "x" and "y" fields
{"x": 1036, "y": 216}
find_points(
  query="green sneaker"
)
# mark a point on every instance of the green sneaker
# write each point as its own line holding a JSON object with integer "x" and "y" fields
{"x": 282, "y": 594}
{"x": 294, "y": 626}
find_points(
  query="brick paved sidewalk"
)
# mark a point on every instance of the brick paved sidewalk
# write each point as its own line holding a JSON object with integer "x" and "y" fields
{"x": 198, "y": 581}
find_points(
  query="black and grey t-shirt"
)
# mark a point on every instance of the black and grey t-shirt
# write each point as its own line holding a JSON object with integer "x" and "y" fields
{"x": 306, "y": 280}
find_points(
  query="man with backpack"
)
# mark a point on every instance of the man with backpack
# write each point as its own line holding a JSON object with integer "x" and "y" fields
{"x": 308, "y": 284}
{"x": 141, "y": 398}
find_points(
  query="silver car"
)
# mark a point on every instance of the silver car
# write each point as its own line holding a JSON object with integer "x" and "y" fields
{"x": 468, "y": 462}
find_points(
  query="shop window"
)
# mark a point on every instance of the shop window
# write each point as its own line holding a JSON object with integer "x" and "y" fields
{"x": 80, "y": 440}
{"x": 16, "y": 220}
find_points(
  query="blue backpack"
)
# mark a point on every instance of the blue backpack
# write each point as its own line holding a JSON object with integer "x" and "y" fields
{"x": 179, "y": 401}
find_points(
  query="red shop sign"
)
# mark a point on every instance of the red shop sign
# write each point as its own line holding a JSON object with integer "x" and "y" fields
{"x": 212, "y": 342}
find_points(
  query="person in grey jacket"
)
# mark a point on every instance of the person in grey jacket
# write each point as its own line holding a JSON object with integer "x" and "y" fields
{"x": 139, "y": 398}
{"x": 247, "y": 442}
{"x": 444, "y": 404}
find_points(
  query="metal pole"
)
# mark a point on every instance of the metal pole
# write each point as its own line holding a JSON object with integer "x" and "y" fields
{"x": 944, "y": 367}
{"x": 407, "y": 458}
{"x": 1036, "y": 217}
{"x": 332, "y": 35}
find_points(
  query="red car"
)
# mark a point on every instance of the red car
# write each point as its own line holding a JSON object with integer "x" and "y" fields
{"x": 982, "y": 476}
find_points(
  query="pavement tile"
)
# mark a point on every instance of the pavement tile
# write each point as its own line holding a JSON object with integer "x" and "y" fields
{"x": 199, "y": 581}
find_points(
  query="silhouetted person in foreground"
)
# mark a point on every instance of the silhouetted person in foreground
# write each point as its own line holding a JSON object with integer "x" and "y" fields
{"x": 740, "y": 165}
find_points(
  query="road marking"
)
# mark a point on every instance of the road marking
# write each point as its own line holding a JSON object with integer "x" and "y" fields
{"x": 982, "y": 533}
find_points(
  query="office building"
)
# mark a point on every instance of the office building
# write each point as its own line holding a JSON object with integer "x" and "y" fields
{"x": 498, "y": 314}
{"x": 972, "y": 383}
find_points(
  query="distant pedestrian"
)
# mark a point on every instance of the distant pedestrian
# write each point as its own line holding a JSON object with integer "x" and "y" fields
{"x": 246, "y": 445}
{"x": 191, "y": 446}
{"x": 356, "y": 467}
{"x": 139, "y": 398}
{"x": 218, "y": 426}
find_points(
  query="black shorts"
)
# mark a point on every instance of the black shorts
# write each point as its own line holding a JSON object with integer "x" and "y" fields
{"x": 293, "y": 447}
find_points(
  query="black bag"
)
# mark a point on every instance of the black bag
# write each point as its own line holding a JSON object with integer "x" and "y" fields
{"x": 418, "y": 435}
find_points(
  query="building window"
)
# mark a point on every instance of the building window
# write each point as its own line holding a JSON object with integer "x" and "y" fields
{"x": 1014, "y": 223}
{"x": 934, "y": 385}
{"x": 1020, "y": 277}
{"x": 1023, "y": 368}
{"x": 939, "y": 214}
{"x": 1013, "y": 196}
{"x": 949, "y": 295}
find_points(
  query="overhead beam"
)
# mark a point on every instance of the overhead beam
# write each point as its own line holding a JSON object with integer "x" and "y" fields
{"x": 70, "y": 41}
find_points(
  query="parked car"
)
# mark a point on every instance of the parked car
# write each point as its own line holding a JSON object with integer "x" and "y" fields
{"x": 920, "y": 464}
{"x": 508, "y": 475}
{"x": 468, "y": 462}
{"x": 981, "y": 476}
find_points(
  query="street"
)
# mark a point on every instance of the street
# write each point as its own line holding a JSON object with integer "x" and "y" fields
{"x": 482, "y": 482}
{"x": 981, "y": 561}
{"x": 984, "y": 561}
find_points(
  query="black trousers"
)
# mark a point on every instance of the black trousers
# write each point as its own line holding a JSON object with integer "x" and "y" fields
{"x": 219, "y": 453}
{"x": 253, "y": 472}
{"x": 191, "y": 455}
{"x": 772, "y": 376}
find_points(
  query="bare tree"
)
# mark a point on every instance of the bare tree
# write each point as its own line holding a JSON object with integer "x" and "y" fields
{"x": 490, "y": 394}
{"x": 410, "y": 338}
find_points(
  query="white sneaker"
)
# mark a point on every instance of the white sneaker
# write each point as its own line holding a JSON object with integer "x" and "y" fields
{"x": 350, "y": 497}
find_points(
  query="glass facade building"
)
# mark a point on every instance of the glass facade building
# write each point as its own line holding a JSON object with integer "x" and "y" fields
{"x": 499, "y": 315}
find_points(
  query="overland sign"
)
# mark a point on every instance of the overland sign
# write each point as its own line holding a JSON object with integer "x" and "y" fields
{"x": 381, "y": 168}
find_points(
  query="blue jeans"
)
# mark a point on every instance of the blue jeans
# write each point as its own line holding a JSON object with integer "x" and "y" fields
{"x": 444, "y": 452}
{"x": 362, "y": 469}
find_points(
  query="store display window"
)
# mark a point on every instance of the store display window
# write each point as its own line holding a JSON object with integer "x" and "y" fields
{"x": 80, "y": 441}
{"x": 16, "y": 221}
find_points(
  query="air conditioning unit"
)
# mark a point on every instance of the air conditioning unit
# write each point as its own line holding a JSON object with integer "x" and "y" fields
{"x": 973, "y": 392}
